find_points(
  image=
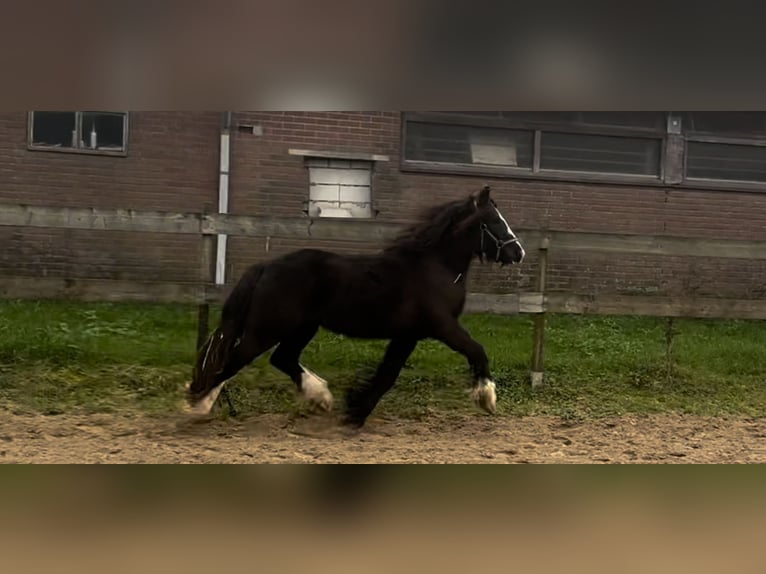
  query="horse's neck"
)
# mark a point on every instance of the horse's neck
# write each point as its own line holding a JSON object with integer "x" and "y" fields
{"x": 456, "y": 257}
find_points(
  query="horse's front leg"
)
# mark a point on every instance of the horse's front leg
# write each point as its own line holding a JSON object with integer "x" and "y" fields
{"x": 452, "y": 334}
{"x": 362, "y": 399}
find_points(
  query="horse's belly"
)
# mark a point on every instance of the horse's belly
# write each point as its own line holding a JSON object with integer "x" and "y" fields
{"x": 359, "y": 329}
{"x": 368, "y": 322}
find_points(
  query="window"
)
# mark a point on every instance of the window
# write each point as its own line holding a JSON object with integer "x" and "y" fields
{"x": 469, "y": 145}
{"x": 600, "y": 154}
{"x": 720, "y": 150}
{"x": 725, "y": 146}
{"x": 725, "y": 123}
{"x": 537, "y": 144}
{"x": 730, "y": 162}
{"x": 93, "y": 132}
{"x": 340, "y": 182}
{"x": 339, "y": 188}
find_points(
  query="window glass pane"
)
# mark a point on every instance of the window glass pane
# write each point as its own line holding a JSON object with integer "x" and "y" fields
{"x": 468, "y": 145}
{"x": 725, "y": 123}
{"x": 103, "y": 129}
{"x": 725, "y": 161}
{"x": 53, "y": 129}
{"x": 600, "y": 154}
{"x": 652, "y": 120}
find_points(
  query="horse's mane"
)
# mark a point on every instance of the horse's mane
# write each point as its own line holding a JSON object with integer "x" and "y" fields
{"x": 431, "y": 226}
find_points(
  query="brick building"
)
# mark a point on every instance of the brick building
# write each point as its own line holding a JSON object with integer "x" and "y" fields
{"x": 680, "y": 174}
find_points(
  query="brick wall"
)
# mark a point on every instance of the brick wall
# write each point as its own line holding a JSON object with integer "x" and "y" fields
{"x": 266, "y": 179}
{"x": 171, "y": 165}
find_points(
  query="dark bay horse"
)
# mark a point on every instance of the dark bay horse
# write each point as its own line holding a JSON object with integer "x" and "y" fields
{"x": 413, "y": 289}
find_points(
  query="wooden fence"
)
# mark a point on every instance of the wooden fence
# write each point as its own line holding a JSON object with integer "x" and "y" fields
{"x": 539, "y": 302}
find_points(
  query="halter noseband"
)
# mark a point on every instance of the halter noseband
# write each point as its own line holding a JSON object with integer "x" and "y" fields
{"x": 499, "y": 243}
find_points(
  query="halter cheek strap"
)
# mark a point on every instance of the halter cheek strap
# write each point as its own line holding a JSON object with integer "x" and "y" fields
{"x": 499, "y": 243}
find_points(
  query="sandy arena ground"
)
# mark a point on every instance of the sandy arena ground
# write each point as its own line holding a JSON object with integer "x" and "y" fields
{"x": 439, "y": 439}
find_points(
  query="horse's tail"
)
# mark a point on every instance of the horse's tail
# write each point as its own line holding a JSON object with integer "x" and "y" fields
{"x": 215, "y": 353}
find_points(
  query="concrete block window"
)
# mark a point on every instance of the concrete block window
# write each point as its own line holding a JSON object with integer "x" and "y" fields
{"x": 340, "y": 188}
{"x": 340, "y": 183}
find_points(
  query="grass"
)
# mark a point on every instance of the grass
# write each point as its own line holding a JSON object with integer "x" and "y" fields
{"x": 60, "y": 357}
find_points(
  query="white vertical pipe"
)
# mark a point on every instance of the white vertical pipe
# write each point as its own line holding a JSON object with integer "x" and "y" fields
{"x": 223, "y": 199}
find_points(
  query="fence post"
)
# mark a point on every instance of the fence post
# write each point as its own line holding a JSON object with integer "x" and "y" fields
{"x": 669, "y": 336}
{"x": 206, "y": 271}
{"x": 537, "y": 374}
{"x": 208, "y": 276}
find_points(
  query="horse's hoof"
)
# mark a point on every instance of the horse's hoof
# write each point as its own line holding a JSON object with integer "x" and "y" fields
{"x": 202, "y": 406}
{"x": 322, "y": 404}
{"x": 195, "y": 408}
{"x": 314, "y": 390}
{"x": 352, "y": 423}
{"x": 325, "y": 404}
{"x": 484, "y": 396}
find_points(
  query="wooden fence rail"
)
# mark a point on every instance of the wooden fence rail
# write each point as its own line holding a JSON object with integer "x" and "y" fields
{"x": 354, "y": 230}
{"x": 92, "y": 290}
{"x": 207, "y": 226}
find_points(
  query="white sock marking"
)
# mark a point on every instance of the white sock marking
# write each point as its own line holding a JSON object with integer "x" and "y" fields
{"x": 315, "y": 390}
{"x": 205, "y": 404}
{"x": 484, "y": 395}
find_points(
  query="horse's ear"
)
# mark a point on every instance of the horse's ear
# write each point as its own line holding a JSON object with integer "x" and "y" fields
{"x": 481, "y": 198}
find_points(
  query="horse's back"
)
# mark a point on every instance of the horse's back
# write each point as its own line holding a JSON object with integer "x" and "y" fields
{"x": 338, "y": 291}
{"x": 290, "y": 289}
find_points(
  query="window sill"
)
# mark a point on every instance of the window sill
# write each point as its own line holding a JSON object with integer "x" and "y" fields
{"x": 339, "y": 155}
{"x": 79, "y": 151}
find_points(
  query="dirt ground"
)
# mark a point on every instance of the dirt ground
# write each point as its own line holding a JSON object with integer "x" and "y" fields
{"x": 439, "y": 439}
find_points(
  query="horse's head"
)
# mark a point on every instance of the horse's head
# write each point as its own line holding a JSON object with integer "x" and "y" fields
{"x": 497, "y": 242}
{"x": 475, "y": 223}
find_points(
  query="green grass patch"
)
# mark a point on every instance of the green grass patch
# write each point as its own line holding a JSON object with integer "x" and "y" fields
{"x": 58, "y": 357}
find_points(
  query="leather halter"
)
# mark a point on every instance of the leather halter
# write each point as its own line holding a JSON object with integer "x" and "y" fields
{"x": 499, "y": 243}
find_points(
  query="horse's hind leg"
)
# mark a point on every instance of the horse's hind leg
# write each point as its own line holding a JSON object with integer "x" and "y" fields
{"x": 361, "y": 400}
{"x": 244, "y": 353}
{"x": 286, "y": 358}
